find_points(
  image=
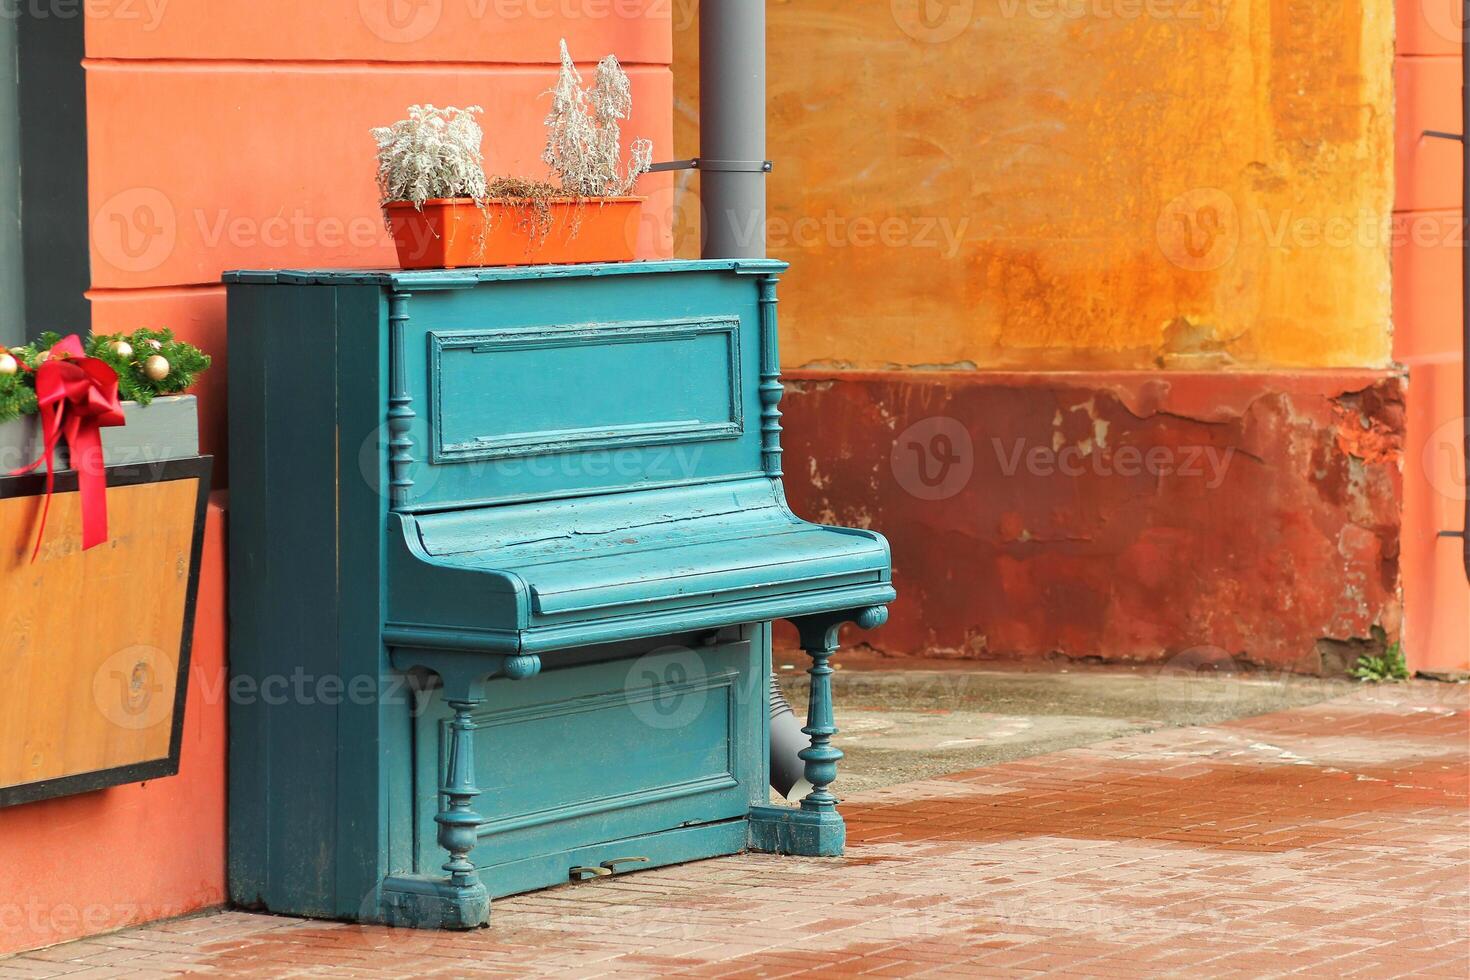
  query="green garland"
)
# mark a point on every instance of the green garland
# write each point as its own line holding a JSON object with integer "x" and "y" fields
{"x": 185, "y": 363}
{"x": 17, "y": 397}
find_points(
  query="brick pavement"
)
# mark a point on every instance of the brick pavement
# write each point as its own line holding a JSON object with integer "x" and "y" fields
{"x": 1330, "y": 840}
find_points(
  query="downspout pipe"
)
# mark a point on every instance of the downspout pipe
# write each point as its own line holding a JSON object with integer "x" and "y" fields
{"x": 732, "y": 127}
{"x": 732, "y": 175}
{"x": 788, "y": 771}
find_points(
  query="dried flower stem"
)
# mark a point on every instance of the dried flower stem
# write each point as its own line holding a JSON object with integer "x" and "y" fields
{"x": 584, "y": 140}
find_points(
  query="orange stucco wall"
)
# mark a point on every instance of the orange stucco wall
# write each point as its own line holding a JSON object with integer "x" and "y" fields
{"x": 1076, "y": 185}
{"x": 86, "y": 864}
{"x": 234, "y": 133}
{"x": 1068, "y": 186}
{"x": 1427, "y": 317}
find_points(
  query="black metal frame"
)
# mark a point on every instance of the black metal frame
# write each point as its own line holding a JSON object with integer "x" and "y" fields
{"x": 163, "y": 471}
{"x": 55, "y": 222}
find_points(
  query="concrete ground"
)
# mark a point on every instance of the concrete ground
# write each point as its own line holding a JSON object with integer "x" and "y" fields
{"x": 1330, "y": 838}
{"x": 941, "y": 716}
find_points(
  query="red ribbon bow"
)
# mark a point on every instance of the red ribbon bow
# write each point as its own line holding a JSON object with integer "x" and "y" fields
{"x": 77, "y": 395}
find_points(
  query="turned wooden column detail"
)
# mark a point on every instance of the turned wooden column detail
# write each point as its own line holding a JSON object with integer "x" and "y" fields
{"x": 771, "y": 389}
{"x": 458, "y": 822}
{"x": 400, "y": 403}
{"x": 460, "y": 900}
{"x": 819, "y": 640}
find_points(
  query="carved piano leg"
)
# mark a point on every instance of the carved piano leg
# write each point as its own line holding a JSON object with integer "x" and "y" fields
{"x": 816, "y": 828}
{"x": 459, "y": 824}
{"x": 821, "y": 757}
{"x": 459, "y": 901}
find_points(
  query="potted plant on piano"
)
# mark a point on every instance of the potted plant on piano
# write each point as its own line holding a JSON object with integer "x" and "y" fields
{"x": 445, "y": 213}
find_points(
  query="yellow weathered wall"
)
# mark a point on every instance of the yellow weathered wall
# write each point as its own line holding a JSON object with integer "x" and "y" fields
{"x": 1077, "y": 184}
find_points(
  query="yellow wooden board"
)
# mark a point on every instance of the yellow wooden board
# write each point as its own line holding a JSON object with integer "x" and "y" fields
{"x": 89, "y": 640}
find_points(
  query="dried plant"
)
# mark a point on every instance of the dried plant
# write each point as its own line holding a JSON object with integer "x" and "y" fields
{"x": 530, "y": 201}
{"x": 433, "y": 153}
{"x": 583, "y": 140}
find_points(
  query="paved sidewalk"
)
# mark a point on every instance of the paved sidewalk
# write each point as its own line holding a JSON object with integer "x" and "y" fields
{"x": 1327, "y": 840}
{"x": 922, "y": 718}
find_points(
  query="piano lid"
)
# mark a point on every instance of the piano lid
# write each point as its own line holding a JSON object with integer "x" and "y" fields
{"x": 572, "y": 572}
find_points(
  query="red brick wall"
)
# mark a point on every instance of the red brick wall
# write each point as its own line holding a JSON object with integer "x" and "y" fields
{"x": 1119, "y": 516}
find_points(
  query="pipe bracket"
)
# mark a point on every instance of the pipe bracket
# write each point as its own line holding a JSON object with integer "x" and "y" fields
{"x": 726, "y": 166}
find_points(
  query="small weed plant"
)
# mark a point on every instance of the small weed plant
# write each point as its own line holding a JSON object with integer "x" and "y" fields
{"x": 1379, "y": 668}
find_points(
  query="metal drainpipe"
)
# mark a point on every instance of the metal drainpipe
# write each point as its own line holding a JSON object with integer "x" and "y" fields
{"x": 732, "y": 127}
{"x": 732, "y": 167}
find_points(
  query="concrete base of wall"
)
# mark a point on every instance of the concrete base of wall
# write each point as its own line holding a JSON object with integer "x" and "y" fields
{"x": 1121, "y": 516}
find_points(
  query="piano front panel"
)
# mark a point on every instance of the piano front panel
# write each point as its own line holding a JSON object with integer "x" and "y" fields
{"x": 525, "y": 393}
{"x": 602, "y": 754}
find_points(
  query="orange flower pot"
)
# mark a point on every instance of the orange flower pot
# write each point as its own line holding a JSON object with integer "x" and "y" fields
{"x": 452, "y": 233}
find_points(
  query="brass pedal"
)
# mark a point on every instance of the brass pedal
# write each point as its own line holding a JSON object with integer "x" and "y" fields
{"x": 612, "y": 865}
{"x": 583, "y": 873}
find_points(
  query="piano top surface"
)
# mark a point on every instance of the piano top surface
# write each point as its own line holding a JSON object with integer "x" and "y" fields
{"x": 430, "y": 279}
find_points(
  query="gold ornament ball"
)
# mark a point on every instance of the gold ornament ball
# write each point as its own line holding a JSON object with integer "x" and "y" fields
{"x": 8, "y": 364}
{"x": 122, "y": 348}
{"x": 156, "y": 367}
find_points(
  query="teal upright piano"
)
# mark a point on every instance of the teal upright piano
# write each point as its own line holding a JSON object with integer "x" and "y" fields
{"x": 506, "y": 545}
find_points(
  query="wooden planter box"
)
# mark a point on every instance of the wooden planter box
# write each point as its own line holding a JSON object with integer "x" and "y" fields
{"x": 95, "y": 644}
